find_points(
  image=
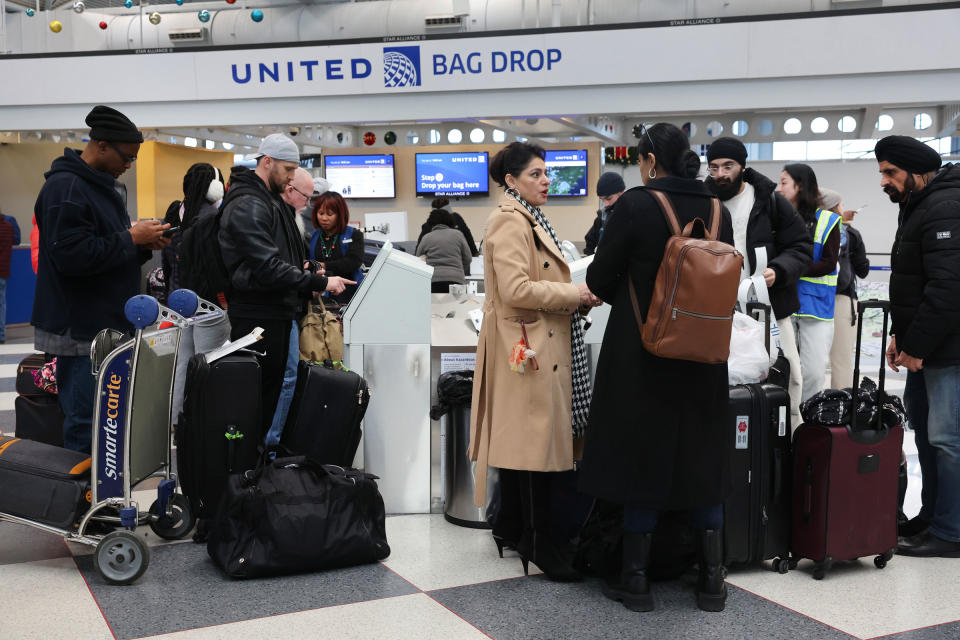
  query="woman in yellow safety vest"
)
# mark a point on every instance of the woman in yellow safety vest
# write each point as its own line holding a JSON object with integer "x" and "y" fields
{"x": 813, "y": 323}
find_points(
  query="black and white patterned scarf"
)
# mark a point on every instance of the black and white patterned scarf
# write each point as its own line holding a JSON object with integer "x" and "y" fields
{"x": 580, "y": 370}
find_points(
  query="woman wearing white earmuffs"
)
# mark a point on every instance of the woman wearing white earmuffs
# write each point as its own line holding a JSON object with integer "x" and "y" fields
{"x": 202, "y": 192}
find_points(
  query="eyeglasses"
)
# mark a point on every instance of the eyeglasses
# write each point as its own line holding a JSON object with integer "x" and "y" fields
{"x": 646, "y": 132}
{"x": 726, "y": 167}
{"x": 301, "y": 192}
{"x": 123, "y": 156}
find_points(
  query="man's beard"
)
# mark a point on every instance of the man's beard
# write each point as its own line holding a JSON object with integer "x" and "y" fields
{"x": 898, "y": 196}
{"x": 275, "y": 187}
{"x": 725, "y": 188}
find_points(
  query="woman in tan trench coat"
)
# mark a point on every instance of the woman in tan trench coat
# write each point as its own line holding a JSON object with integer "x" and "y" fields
{"x": 524, "y": 418}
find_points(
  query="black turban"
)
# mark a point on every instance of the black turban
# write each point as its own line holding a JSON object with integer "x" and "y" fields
{"x": 908, "y": 153}
{"x": 109, "y": 125}
{"x": 727, "y": 148}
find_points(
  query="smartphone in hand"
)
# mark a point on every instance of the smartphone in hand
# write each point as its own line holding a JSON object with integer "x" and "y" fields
{"x": 169, "y": 233}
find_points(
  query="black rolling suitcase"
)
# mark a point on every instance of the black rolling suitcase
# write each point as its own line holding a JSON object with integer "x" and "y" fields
{"x": 219, "y": 430}
{"x": 43, "y": 483}
{"x": 38, "y": 414}
{"x": 324, "y": 419}
{"x": 757, "y": 513}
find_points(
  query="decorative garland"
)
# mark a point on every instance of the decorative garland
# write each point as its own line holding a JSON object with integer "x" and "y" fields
{"x": 625, "y": 156}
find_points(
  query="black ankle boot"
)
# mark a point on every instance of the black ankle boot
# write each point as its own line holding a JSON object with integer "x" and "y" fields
{"x": 711, "y": 591}
{"x": 536, "y": 544}
{"x": 633, "y": 590}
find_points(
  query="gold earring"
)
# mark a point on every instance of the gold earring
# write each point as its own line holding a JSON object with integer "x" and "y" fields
{"x": 652, "y": 173}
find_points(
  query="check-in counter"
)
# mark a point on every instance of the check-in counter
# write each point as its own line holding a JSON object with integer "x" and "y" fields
{"x": 386, "y": 334}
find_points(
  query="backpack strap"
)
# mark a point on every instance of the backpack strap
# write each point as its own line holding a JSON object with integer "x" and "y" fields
{"x": 711, "y": 231}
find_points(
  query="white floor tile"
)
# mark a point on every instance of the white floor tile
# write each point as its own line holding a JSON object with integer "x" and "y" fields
{"x": 417, "y": 617}
{"x": 8, "y": 370}
{"x": 17, "y": 349}
{"x": 432, "y": 554}
{"x": 7, "y": 399}
{"x": 861, "y": 600}
{"x": 48, "y": 599}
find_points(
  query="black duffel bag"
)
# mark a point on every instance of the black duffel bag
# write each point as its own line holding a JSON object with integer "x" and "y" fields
{"x": 292, "y": 515}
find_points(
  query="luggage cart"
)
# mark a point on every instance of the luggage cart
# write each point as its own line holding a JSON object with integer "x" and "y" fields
{"x": 131, "y": 441}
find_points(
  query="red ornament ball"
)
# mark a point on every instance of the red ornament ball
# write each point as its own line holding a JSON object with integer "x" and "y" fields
{"x": 231, "y": 1}
{"x": 369, "y": 138}
{"x": 103, "y": 25}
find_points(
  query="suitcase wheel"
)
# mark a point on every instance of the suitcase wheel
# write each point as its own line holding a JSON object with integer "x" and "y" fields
{"x": 881, "y": 561}
{"x": 177, "y": 522}
{"x": 781, "y": 565}
{"x": 121, "y": 557}
{"x": 819, "y": 572}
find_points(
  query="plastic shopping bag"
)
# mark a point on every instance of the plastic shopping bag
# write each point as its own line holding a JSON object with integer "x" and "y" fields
{"x": 749, "y": 360}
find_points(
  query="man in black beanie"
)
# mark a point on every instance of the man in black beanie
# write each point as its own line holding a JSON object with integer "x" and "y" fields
{"x": 610, "y": 187}
{"x": 90, "y": 257}
{"x": 925, "y": 331}
{"x": 765, "y": 224}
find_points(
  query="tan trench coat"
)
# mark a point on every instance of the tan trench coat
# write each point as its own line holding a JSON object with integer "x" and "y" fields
{"x": 522, "y": 420}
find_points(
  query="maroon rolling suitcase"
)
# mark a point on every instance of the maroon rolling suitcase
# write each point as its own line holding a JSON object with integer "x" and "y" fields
{"x": 845, "y": 481}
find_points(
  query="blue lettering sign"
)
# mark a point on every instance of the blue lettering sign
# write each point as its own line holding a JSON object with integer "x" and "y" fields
{"x": 309, "y": 65}
{"x": 237, "y": 78}
{"x": 334, "y": 70}
{"x": 360, "y": 68}
{"x": 266, "y": 71}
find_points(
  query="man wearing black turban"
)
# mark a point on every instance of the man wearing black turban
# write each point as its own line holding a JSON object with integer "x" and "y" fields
{"x": 89, "y": 261}
{"x": 925, "y": 333}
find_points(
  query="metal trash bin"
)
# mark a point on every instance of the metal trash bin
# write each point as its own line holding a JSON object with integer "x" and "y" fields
{"x": 454, "y": 390}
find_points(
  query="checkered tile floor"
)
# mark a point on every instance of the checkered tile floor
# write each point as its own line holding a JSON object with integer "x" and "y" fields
{"x": 440, "y": 581}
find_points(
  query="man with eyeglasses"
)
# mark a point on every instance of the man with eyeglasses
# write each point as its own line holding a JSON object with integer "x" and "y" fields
{"x": 298, "y": 195}
{"x": 89, "y": 259}
{"x": 765, "y": 220}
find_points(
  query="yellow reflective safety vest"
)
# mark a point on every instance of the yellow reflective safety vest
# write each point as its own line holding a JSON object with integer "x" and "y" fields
{"x": 818, "y": 294}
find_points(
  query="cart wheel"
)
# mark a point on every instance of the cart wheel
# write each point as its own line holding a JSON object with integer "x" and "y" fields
{"x": 880, "y": 562}
{"x": 176, "y": 525}
{"x": 782, "y": 565}
{"x": 888, "y": 555}
{"x": 121, "y": 557}
{"x": 793, "y": 563}
{"x": 819, "y": 572}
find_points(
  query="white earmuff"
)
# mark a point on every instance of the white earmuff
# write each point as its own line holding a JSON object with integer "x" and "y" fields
{"x": 215, "y": 190}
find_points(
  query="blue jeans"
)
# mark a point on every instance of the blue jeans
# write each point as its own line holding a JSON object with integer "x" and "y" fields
{"x": 640, "y": 520}
{"x": 76, "y": 387}
{"x": 286, "y": 390}
{"x": 3, "y": 309}
{"x": 932, "y": 400}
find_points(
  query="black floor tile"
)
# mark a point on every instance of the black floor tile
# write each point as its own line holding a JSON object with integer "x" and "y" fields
{"x": 948, "y": 631}
{"x": 183, "y": 589}
{"x": 20, "y": 543}
{"x": 535, "y": 608}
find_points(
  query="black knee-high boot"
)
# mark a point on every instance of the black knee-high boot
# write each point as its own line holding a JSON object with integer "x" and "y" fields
{"x": 633, "y": 590}
{"x": 508, "y": 523}
{"x": 536, "y": 544}
{"x": 711, "y": 590}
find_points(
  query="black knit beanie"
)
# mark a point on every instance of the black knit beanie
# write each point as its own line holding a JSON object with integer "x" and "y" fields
{"x": 109, "y": 125}
{"x": 727, "y": 148}
{"x": 908, "y": 153}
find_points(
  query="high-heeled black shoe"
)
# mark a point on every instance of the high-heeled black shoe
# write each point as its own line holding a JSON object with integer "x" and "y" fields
{"x": 503, "y": 543}
{"x": 548, "y": 557}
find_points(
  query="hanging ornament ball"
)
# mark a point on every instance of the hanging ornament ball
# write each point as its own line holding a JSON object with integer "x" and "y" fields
{"x": 79, "y": 6}
{"x": 179, "y": 3}
{"x": 390, "y": 137}
{"x": 56, "y": 27}
{"x": 103, "y": 25}
{"x": 203, "y": 16}
{"x": 369, "y": 138}
{"x": 256, "y": 15}
{"x": 231, "y": 1}
{"x": 154, "y": 18}
{"x": 31, "y": 13}
{"x": 128, "y": 3}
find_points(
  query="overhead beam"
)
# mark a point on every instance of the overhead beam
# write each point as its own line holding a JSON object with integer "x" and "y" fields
{"x": 586, "y": 129}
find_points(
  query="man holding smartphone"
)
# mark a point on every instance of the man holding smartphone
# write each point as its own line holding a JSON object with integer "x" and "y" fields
{"x": 89, "y": 259}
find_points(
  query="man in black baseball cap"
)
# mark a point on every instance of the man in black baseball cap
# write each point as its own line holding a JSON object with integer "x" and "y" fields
{"x": 89, "y": 261}
{"x": 925, "y": 331}
{"x": 610, "y": 187}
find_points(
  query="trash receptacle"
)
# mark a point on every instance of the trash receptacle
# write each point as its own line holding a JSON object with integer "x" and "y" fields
{"x": 454, "y": 392}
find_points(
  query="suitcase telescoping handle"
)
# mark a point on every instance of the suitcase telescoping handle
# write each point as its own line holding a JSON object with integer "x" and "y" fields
{"x": 753, "y": 310}
{"x": 884, "y": 306}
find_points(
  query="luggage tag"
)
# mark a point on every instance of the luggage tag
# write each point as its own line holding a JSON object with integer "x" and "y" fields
{"x": 522, "y": 352}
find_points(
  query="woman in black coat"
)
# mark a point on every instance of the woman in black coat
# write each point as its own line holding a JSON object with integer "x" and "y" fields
{"x": 658, "y": 427}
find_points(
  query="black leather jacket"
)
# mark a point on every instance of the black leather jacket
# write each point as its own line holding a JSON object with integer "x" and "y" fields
{"x": 263, "y": 251}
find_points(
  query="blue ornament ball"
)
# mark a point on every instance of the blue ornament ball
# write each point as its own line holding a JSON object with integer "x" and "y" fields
{"x": 128, "y": 3}
{"x": 204, "y": 16}
{"x": 31, "y": 13}
{"x": 256, "y": 15}
{"x": 179, "y": 3}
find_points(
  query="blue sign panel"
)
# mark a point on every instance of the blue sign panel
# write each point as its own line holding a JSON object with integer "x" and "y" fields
{"x": 111, "y": 427}
{"x": 452, "y": 174}
{"x": 567, "y": 171}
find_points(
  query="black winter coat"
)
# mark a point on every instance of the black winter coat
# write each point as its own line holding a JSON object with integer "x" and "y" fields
{"x": 853, "y": 262}
{"x": 592, "y": 239}
{"x": 263, "y": 251}
{"x": 925, "y": 277}
{"x": 461, "y": 226}
{"x": 88, "y": 266}
{"x": 658, "y": 431}
{"x": 784, "y": 234}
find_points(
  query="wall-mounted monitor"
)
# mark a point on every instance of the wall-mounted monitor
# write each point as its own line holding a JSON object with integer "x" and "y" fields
{"x": 567, "y": 171}
{"x": 361, "y": 176}
{"x": 463, "y": 173}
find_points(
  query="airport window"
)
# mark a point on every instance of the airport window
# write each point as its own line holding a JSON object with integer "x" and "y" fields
{"x": 922, "y": 121}
{"x": 792, "y": 126}
{"x": 455, "y": 136}
{"x": 819, "y": 125}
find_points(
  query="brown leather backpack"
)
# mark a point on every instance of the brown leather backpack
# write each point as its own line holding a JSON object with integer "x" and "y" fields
{"x": 691, "y": 312}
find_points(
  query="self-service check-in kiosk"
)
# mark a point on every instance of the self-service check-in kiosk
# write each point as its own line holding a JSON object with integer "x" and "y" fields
{"x": 386, "y": 334}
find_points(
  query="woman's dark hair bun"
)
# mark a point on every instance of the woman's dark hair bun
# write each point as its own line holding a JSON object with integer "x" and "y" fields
{"x": 689, "y": 165}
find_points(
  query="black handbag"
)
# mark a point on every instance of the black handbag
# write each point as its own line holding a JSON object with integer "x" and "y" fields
{"x": 292, "y": 515}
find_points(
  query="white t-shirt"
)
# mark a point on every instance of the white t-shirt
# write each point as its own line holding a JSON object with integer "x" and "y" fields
{"x": 739, "y": 207}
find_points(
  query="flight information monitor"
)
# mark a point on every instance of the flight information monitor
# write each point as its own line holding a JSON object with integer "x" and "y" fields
{"x": 567, "y": 171}
{"x": 452, "y": 174}
{"x": 361, "y": 176}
